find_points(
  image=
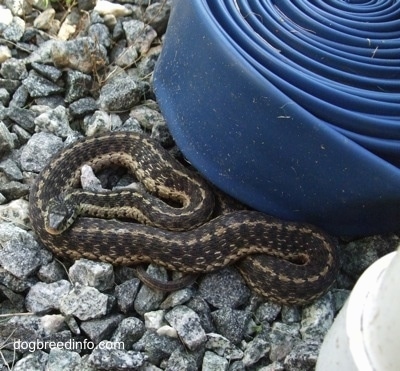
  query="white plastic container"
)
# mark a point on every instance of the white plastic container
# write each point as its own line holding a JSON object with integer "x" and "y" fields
{"x": 366, "y": 333}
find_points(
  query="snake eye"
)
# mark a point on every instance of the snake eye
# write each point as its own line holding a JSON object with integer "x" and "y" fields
{"x": 60, "y": 214}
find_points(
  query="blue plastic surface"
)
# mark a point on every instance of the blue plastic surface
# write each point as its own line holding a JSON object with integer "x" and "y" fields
{"x": 292, "y": 107}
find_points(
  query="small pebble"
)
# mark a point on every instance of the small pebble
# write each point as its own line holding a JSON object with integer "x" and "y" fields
{"x": 231, "y": 323}
{"x": 187, "y": 324}
{"x": 95, "y": 274}
{"x": 102, "y": 328}
{"x": 45, "y": 297}
{"x": 85, "y": 303}
{"x": 224, "y": 288}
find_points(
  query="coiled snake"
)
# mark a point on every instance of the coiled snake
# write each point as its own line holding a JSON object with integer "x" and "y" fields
{"x": 283, "y": 261}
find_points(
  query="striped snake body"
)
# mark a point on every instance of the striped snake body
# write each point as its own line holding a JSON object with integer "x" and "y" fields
{"x": 283, "y": 261}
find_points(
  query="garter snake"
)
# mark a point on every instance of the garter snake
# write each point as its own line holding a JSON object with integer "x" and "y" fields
{"x": 283, "y": 261}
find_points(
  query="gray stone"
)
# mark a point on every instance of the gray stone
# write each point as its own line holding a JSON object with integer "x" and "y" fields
{"x": 181, "y": 361}
{"x": 187, "y": 324}
{"x": 96, "y": 274}
{"x": 14, "y": 69}
{"x": 14, "y": 283}
{"x": 126, "y": 57}
{"x": 52, "y": 272}
{"x": 120, "y": 94}
{"x": 86, "y": 4}
{"x": 4, "y": 96}
{"x": 317, "y": 318}
{"x": 44, "y": 297}
{"x": 156, "y": 15}
{"x": 339, "y": 298}
{"x": 20, "y": 97}
{"x": 53, "y": 101}
{"x": 29, "y": 329}
{"x": 100, "y": 33}
{"x": 101, "y": 329}
{"x": 10, "y": 85}
{"x": 83, "y": 107}
{"x": 268, "y": 312}
{"x": 231, "y": 323}
{"x": 106, "y": 358}
{"x": 275, "y": 366}
{"x": 82, "y": 54}
{"x": 200, "y": 306}
{"x": 32, "y": 361}
{"x": 21, "y": 134}
{"x": 177, "y": 298}
{"x": 15, "y": 30}
{"x": 139, "y": 34}
{"x": 85, "y": 303}
{"x": 147, "y": 62}
{"x": 14, "y": 190}
{"x": 290, "y": 314}
{"x": 11, "y": 169}
{"x": 157, "y": 347}
{"x": 256, "y": 349}
{"x": 15, "y": 299}
{"x": 19, "y": 8}
{"x": 23, "y": 117}
{"x": 43, "y": 53}
{"x": 148, "y": 117}
{"x": 37, "y": 152}
{"x": 223, "y": 347}
{"x": 54, "y": 121}
{"x": 148, "y": 299}
{"x": 236, "y": 366}
{"x": 20, "y": 254}
{"x": 78, "y": 85}
{"x": 282, "y": 338}
{"x": 129, "y": 331}
{"x": 224, "y": 288}
{"x": 49, "y": 72}
{"x": 101, "y": 122}
{"x": 131, "y": 124}
{"x": 6, "y": 139}
{"x": 125, "y": 294}
{"x": 213, "y": 362}
{"x": 39, "y": 86}
{"x": 161, "y": 133}
{"x": 303, "y": 356}
{"x": 358, "y": 255}
{"x": 63, "y": 360}
{"x": 16, "y": 212}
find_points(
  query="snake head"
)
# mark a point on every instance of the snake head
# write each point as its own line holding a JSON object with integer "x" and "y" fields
{"x": 59, "y": 216}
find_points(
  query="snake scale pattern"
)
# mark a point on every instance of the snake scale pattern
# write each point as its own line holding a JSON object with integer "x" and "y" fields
{"x": 171, "y": 224}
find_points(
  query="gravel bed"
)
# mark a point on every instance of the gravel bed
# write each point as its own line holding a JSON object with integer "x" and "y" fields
{"x": 68, "y": 73}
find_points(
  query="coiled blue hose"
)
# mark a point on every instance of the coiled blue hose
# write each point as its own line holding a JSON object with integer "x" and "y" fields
{"x": 293, "y": 107}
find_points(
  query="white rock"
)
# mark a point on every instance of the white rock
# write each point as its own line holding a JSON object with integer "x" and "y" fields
{"x": 5, "y": 53}
{"x": 167, "y": 331}
{"x": 106, "y": 7}
{"x": 6, "y": 16}
{"x": 154, "y": 320}
{"x": 44, "y": 20}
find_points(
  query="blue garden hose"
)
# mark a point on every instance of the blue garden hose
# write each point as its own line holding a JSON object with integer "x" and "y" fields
{"x": 293, "y": 107}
